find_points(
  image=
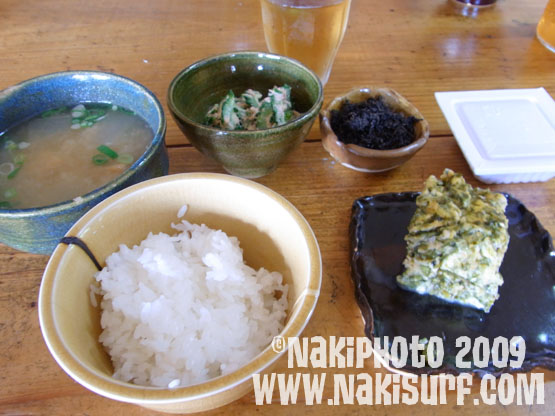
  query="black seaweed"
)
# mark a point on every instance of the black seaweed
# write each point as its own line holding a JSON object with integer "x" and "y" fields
{"x": 526, "y": 306}
{"x": 372, "y": 124}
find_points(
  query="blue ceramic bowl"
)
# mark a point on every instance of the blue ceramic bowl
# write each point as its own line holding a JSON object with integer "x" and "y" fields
{"x": 38, "y": 230}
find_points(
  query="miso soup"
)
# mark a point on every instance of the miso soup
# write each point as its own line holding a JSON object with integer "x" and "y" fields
{"x": 67, "y": 152}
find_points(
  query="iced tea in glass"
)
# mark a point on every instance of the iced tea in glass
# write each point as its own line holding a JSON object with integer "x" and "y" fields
{"x": 546, "y": 27}
{"x": 307, "y": 30}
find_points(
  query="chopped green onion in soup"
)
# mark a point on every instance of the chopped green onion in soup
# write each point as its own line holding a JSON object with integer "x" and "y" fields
{"x": 107, "y": 151}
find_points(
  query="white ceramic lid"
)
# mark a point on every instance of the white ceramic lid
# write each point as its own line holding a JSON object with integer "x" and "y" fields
{"x": 503, "y": 132}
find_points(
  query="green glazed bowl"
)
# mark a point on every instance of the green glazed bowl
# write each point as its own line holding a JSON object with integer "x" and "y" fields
{"x": 249, "y": 154}
{"x": 39, "y": 230}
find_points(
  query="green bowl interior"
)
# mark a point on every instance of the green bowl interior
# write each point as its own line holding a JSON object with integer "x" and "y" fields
{"x": 205, "y": 83}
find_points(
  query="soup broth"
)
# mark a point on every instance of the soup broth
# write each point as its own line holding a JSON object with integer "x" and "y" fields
{"x": 65, "y": 153}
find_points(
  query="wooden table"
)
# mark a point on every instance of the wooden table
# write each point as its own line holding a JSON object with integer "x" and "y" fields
{"x": 415, "y": 47}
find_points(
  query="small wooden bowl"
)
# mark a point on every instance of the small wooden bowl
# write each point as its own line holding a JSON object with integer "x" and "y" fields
{"x": 371, "y": 160}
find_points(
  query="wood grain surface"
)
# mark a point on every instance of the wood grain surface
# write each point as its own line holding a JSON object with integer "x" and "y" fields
{"x": 415, "y": 47}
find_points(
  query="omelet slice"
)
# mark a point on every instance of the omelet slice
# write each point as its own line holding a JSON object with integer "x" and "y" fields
{"x": 456, "y": 242}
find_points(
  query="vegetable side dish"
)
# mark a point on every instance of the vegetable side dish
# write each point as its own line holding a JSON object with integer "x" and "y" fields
{"x": 456, "y": 242}
{"x": 250, "y": 111}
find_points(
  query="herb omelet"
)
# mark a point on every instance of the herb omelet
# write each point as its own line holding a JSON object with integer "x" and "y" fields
{"x": 456, "y": 242}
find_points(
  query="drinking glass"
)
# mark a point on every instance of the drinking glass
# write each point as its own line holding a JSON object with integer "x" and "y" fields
{"x": 546, "y": 27}
{"x": 472, "y": 8}
{"x": 477, "y": 3}
{"x": 307, "y": 30}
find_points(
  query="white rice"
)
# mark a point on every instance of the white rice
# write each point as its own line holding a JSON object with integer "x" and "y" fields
{"x": 179, "y": 310}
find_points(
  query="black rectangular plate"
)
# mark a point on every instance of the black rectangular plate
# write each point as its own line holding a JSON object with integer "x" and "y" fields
{"x": 526, "y": 306}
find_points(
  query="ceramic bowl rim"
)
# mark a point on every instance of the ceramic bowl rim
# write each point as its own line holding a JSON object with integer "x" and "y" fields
{"x": 312, "y": 112}
{"x": 83, "y": 200}
{"x": 127, "y": 392}
{"x": 357, "y": 150}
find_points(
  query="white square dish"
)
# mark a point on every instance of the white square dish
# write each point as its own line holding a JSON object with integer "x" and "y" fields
{"x": 505, "y": 135}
